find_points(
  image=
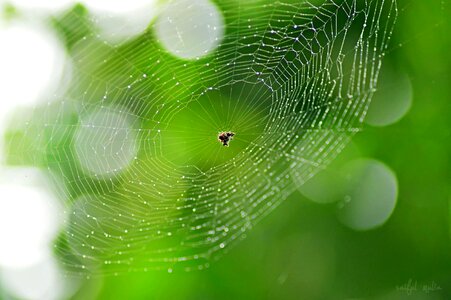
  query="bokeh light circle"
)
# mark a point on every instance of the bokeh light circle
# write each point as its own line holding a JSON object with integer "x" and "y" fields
{"x": 370, "y": 194}
{"x": 30, "y": 217}
{"x": 105, "y": 143}
{"x": 392, "y": 100}
{"x": 190, "y": 28}
{"x": 31, "y": 57}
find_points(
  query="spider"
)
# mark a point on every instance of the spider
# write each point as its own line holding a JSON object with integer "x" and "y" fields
{"x": 225, "y": 137}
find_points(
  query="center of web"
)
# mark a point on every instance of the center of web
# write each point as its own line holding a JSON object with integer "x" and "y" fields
{"x": 225, "y": 137}
{"x": 201, "y": 132}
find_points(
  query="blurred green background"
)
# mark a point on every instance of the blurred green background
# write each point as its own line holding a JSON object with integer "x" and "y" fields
{"x": 301, "y": 250}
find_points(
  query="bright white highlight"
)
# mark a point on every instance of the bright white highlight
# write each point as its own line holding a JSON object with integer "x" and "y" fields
{"x": 109, "y": 6}
{"x": 371, "y": 195}
{"x": 44, "y": 5}
{"x": 30, "y": 217}
{"x": 32, "y": 62}
{"x": 42, "y": 280}
{"x": 118, "y": 6}
{"x": 190, "y": 28}
{"x": 117, "y": 20}
{"x": 105, "y": 142}
{"x": 120, "y": 20}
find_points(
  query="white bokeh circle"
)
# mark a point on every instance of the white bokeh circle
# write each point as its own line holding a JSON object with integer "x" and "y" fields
{"x": 30, "y": 217}
{"x": 42, "y": 280}
{"x": 121, "y": 20}
{"x": 190, "y": 29}
{"x": 118, "y": 6}
{"x": 32, "y": 60}
{"x": 105, "y": 142}
{"x": 43, "y": 5}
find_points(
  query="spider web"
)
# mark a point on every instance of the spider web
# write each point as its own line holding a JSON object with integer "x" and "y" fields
{"x": 135, "y": 139}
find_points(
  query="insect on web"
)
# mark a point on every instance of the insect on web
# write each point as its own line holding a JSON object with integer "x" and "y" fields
{"x": 135, "y": 139}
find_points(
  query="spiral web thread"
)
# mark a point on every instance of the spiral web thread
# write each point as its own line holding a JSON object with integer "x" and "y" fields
{"x": 297, "y": 78}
